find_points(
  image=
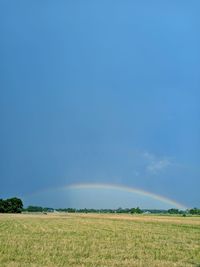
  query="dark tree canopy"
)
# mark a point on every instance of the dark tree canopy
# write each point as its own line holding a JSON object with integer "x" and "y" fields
{"x": 11, "y": 205}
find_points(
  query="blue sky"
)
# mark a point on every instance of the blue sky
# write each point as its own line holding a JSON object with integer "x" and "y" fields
{"x": 100, "y": 92}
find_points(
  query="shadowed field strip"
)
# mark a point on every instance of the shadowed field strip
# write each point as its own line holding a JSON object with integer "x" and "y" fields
{"x": 99, "y": 240}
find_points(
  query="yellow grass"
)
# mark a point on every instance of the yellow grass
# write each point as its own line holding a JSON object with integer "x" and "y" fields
{"x": 99, "y": 240}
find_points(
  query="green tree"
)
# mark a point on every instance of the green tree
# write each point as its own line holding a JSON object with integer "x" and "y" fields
{"x": 14, "y": 205}
{"x": 11, "y": 205}
{"x": 34, "y": 209}
{"x": 173, "y": 211}
{"x": 2, "y": 206}
{"x": 136, "y": 210}
{"x": 194, "y": 211}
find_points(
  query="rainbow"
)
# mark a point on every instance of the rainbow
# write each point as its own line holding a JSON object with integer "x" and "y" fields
{"x": 163, "y": 199}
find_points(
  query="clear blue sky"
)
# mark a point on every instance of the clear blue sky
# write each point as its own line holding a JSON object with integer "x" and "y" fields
{"x": 100, "y": 91}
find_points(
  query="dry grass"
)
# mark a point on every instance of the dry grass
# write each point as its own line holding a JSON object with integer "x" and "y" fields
{"x": 99, "y": 240}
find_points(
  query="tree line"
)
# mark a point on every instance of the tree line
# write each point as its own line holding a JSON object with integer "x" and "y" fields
{"x": 15, "y": 205}
{"x": 72, "y": 210}
{"x": 119, "y": 210}
{"x": 137, "y": 210}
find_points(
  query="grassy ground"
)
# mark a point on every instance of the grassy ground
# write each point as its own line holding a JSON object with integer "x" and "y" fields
{"x": 99, "y": 240}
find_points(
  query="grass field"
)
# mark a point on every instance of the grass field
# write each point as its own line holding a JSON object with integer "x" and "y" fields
{"x": 99, "y": 240}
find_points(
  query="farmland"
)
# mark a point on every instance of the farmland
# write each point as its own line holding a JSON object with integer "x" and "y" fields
{"x": 98, "y": 240}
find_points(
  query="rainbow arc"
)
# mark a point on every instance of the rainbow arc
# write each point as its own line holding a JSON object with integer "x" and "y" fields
{"x": 126, "y": 189}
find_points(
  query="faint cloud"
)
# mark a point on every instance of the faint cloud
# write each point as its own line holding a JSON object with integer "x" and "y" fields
{"x": 154, "y": 164}
{"x": 158, "y": 166}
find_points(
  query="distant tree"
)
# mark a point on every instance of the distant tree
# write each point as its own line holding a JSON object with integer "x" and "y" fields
{"x": 119, "y": 210}
{"x": 71, "y": 210}
{"x": 11, "y": 205}
{"x": 194, "y": 211}
{"x": 136, "y": 210}
{"x": 46, "y": 209}
{"x": 173, "y": 211}
{"x": 34, "y": 209}
{"x": 15, "y": 205}
{"x": 2, "y": 206}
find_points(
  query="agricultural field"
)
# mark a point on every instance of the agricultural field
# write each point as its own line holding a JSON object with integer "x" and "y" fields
{"x": 54, "y": 240}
